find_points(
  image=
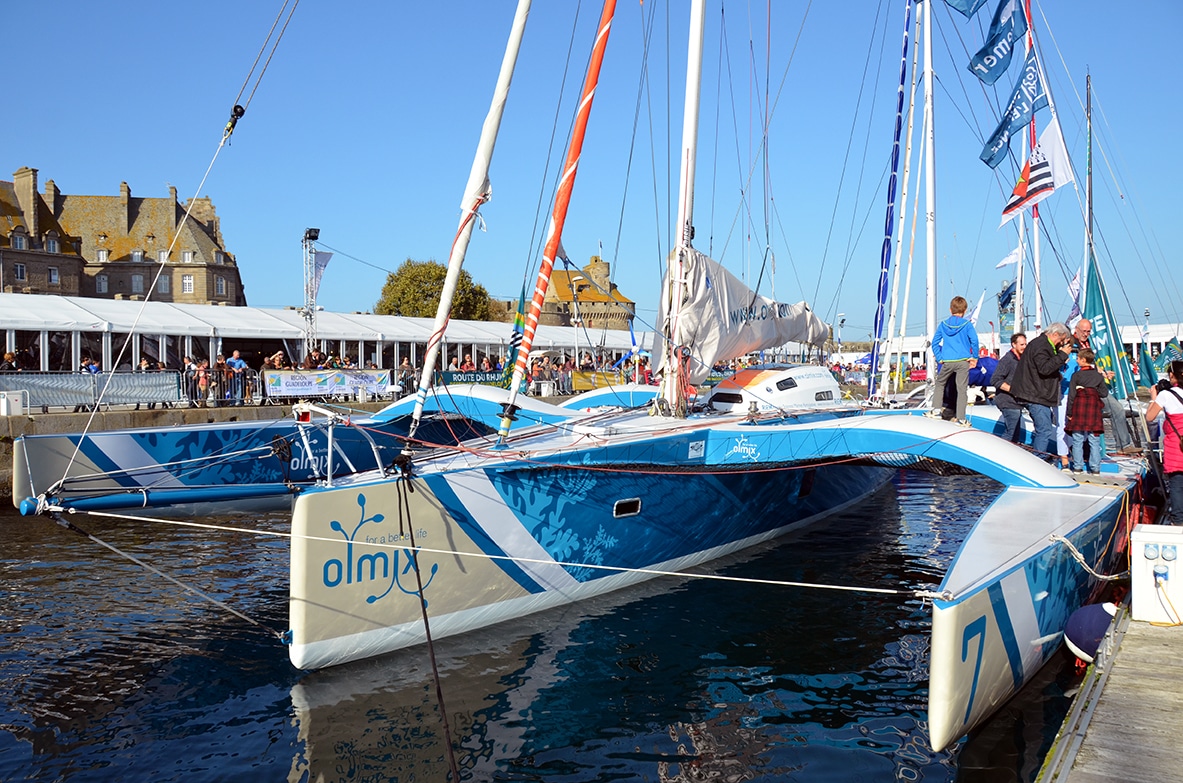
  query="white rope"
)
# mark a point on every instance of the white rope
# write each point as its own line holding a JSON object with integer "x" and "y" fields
{"x": 450, "y": 552}
{"x": 1057, "y": 539}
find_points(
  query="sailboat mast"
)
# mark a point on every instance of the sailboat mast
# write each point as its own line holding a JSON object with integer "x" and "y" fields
{"x": 1088, "y": 189}
{"x": 930, "y": 188}
{"x": 476, "y": 192}
{"x": 559, "y": 215}
{"x": 673, "y": 391}
{"x": 1035, "y": 207}
{"x": 889, "y": 221}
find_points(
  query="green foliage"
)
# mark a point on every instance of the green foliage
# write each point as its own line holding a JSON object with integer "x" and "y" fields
{"x": 414, "y": 290}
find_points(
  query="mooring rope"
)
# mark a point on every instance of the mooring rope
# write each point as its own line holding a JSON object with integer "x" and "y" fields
{"x": 409, "y": 549}
{"x": 68, "y": 525}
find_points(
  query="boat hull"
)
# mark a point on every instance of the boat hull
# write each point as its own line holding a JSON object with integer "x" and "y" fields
{"x": 507, "y": 541}
{"x": 998, "y": 627}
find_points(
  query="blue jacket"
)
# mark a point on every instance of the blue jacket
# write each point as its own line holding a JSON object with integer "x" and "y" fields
{"x": 955, "y": 339}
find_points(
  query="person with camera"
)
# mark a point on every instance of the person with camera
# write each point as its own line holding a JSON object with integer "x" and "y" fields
{"x": 1166, "y": 397}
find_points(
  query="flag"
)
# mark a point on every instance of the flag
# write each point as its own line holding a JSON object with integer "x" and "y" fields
{"x": 967, "y": 7}
{"x": 1006, "y": 296}
{"x": 1105, "y": 339}
{"x": 1011, "y": 258}
{"x": 1171, "y": 352}
{"x": 1027, "y": 97}
{"x": 1047, "y": 169}
{"x": 1008, "y": 26}
{"x": 515, "y": 340}
{"x": 1147, "y": 377}
{"x": 1074, "y": 293}
{"x": 973, "y": 317}
{"x": 320, "y": 260}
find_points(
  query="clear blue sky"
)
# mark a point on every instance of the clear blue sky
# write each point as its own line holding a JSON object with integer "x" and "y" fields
{"x": 366, "y": 120}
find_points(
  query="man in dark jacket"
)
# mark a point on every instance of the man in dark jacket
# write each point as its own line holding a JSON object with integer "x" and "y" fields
{"x": 1008, "y": 406}
{"x": 1036, "y": 383}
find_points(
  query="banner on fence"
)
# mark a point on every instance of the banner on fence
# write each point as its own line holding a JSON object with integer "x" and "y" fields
{"x": 324, "y": 383}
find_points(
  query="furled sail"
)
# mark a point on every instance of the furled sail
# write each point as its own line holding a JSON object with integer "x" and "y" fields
{"x": 721, "y": 318}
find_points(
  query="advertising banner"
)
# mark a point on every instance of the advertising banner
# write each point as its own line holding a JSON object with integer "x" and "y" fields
{"x": 325, "y": 383}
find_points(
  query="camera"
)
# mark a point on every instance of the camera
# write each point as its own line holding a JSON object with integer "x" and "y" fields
{"x": 1163, "y": 384}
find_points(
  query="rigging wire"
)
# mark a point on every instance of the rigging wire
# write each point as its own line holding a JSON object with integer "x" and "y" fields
{"x": 238, "y": 111}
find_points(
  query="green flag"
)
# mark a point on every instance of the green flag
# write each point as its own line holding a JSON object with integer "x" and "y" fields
{"x": 1147, "y": 377}
{"x": 1170, "y": 353}
{"x": 1106, "y": 339}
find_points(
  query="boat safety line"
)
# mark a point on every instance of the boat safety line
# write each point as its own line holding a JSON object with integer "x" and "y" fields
{"x": 189, "y": 588}
{"x": 455, "y": 553}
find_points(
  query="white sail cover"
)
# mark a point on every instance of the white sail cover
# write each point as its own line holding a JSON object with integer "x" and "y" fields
{"x": 721, "y": 318}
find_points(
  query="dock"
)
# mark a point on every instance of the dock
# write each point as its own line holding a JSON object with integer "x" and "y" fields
{"x": 1126, "y": 720}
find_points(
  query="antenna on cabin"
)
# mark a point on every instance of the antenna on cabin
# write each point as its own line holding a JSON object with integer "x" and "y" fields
{"x": 311, "y": 284}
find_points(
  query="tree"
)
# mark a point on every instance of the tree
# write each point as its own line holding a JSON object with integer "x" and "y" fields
{"x": 414, "y": 290}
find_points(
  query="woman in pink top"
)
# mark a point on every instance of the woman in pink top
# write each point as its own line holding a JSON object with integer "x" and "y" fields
{"x": 1169, "y": 400}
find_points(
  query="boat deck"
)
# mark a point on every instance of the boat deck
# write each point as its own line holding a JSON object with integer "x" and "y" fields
{"x": 1126, "y": 720}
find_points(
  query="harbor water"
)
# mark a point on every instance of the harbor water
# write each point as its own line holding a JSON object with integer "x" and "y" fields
{"x": 110, "y": 672}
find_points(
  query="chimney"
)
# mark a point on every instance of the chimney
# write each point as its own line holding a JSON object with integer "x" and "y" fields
{"x": 25, "y": 180}
{"x": 124, "y": 209}
{"x": 52, "y": 196}
{"x": 174, "y": 214}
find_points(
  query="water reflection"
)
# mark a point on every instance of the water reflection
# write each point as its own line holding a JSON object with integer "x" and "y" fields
{"x": 106, "y": 669}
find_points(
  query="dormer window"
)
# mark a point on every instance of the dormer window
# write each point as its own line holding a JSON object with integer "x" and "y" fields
{"x": 162, "y": 256}
{"x": 219, "y": 258}
{"x": 51, "y": 245}
{"x": 187, "y": 256}
{"x": 137, "y": 256}
{"x": 18, "y": 241}
{"x": 102, "y": 254}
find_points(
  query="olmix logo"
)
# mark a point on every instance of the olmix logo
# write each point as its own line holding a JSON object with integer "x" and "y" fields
{"x": 374, "y": 552}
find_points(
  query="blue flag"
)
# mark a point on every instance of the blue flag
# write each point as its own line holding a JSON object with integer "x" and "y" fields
{"x": 1006, "y": 296}
{"x": 1105, "y": 339}
{"x": 1028, "y": 96}
{"x": 967, "y": 7}
{"x": 1007, "y": 29}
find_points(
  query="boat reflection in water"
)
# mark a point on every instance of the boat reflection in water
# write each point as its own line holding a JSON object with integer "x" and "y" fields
{"x": 680, "y": 679}
{"x": 106, "y": 668}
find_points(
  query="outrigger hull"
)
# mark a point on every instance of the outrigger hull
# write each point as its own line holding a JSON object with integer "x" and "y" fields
{"x": 1011, "y": 589}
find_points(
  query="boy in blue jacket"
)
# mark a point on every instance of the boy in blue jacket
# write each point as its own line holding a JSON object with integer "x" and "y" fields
{"x": 955, "y": 348}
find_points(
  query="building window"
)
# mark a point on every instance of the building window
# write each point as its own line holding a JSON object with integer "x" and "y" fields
{"x": 18, "y": 241}
{"x": 220, "y": 286}
{"x": 186, "y": 284}
{"x": 162, "y": 256}
{"x": 19, "y": 271}
{"x": 187, "y": 256}
{"x": 219, "y": 258}
{"x": 137, "y": 256}
{"x": 51, "y": 245}
{"x": 102, "y": 254}
{"x": 53, "y": 276}
{"x": 100, "y": 284}
{"x": 162, "y": 284}
{"x": 137, "y": 284}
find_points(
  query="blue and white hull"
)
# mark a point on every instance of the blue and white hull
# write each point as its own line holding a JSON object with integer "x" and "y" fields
{"x": 554, "y": 518}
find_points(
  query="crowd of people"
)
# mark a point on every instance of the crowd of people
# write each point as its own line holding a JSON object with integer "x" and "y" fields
{"x": 1055, "y": 377}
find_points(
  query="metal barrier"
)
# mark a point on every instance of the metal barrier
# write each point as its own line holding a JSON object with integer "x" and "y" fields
{"x": 80, "y": 389}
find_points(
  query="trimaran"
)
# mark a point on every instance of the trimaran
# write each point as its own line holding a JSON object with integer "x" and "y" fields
{"x": 550, "y": 511}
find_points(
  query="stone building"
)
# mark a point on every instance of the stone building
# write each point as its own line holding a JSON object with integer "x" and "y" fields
{"x": 112, "y": 247}
{"x": 587, "y": 296}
